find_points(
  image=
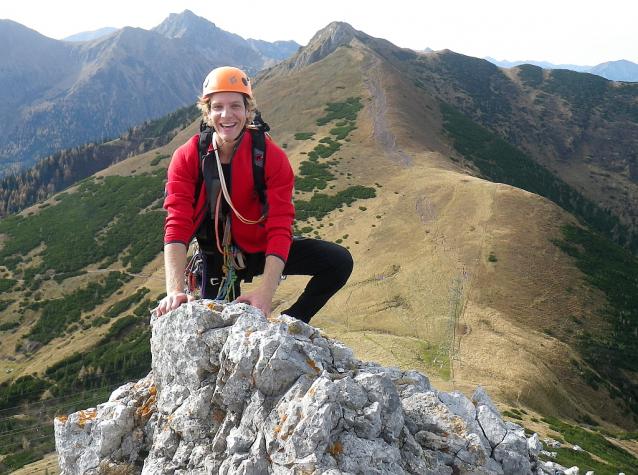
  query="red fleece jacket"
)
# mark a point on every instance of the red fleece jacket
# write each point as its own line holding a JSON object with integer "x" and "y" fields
{"x": 272, "y": 236}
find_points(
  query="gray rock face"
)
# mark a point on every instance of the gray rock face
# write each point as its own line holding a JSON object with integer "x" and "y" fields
{"x": 233, "y": 393}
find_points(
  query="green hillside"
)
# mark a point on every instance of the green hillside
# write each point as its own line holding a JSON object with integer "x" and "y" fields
{"x": 606, "y": 265}
{"x": 102, "y": 222}
{"x": 579, "y": 127}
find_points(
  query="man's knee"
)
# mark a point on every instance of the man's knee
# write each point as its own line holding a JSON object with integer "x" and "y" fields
{"x": 342, "y": 262}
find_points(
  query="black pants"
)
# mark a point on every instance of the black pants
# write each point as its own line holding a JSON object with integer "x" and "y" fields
{"x": 329, "y": 264}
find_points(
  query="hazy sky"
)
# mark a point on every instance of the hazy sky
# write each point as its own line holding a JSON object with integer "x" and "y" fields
{"x": 582, "y": 32}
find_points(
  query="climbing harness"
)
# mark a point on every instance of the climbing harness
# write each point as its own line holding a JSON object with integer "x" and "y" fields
{"x": 213, "y": 178}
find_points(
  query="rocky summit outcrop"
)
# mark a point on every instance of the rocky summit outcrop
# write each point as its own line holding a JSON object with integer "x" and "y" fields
{"x": 231, "y": 392}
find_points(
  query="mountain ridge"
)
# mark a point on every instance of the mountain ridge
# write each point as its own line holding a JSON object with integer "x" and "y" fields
{"x": 51, "y": 82}
{"x": 324, "y": 42}
{"x": 104, "y": 72}
{"x": 91, "y": 35}
{"x": 543, "y": 64}
{"x": 278, "y": 50}
{"x": 621, "y": 70}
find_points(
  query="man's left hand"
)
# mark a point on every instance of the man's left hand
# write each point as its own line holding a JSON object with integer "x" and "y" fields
{"x": 260, "y": 298}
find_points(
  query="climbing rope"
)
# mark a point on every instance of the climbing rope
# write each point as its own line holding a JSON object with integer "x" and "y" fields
{"x": 233, "y": 257}
{"x": 225, "y": 189}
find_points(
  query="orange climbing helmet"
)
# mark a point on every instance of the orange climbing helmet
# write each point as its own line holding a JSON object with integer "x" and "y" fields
{"x": 227, "y": 79}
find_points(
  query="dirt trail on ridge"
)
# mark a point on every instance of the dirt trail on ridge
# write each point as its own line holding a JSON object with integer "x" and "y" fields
{"x": 379, "y": 108}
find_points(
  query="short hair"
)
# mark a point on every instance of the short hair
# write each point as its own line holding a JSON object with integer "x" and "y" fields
{"x": 204, "y": 106}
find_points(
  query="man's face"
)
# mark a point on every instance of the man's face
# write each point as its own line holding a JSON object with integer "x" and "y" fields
{"x": 228, "y": 114}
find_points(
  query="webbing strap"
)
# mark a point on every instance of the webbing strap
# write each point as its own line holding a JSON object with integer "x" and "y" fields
{"x": 211, "y": 179}
{"x": 259, "y": 160}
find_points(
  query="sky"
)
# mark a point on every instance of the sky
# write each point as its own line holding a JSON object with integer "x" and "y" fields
{"x": 578, "y": 32}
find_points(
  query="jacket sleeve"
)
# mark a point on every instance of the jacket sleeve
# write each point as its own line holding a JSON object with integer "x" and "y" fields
{"x": 183, "y": 176}
{"x": 280, "y": 181}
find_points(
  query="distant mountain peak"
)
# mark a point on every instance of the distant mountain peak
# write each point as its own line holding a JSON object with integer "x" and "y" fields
{"x": 337, "y": 31}
{"x": 278, "y": 50}
{"x": 185, "y": 14}
{"x": 177, "y": 25}
{"x": 543, "y": 64}
{"x": 323, "y": 43}
{"x": 621, "y": 70}
{"x": 218, "y": 46}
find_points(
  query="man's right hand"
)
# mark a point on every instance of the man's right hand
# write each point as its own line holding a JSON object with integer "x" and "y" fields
{"x": 171, "y": 302}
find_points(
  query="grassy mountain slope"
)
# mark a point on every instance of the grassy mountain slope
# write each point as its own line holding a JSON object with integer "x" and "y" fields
{"x": 423, "y": 245}
{"x": 579, "y": 126}
{"x": 108, "y": 206}
{"x": 469, "y": 280}
{"x": 534, "y": 284}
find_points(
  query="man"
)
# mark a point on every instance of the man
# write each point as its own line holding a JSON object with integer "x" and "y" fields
{"x": 234, "y": 227}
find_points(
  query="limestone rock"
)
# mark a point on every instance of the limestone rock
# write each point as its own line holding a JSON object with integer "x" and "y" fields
{"x": 233, "y": 393}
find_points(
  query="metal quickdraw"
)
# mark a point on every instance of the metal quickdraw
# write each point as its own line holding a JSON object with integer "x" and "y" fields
{"x": 233, "y": 261}
{"x": 195, "y": 272}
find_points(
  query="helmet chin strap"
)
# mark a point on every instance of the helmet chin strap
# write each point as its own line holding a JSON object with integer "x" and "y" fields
{"x": 225, "y": 141}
